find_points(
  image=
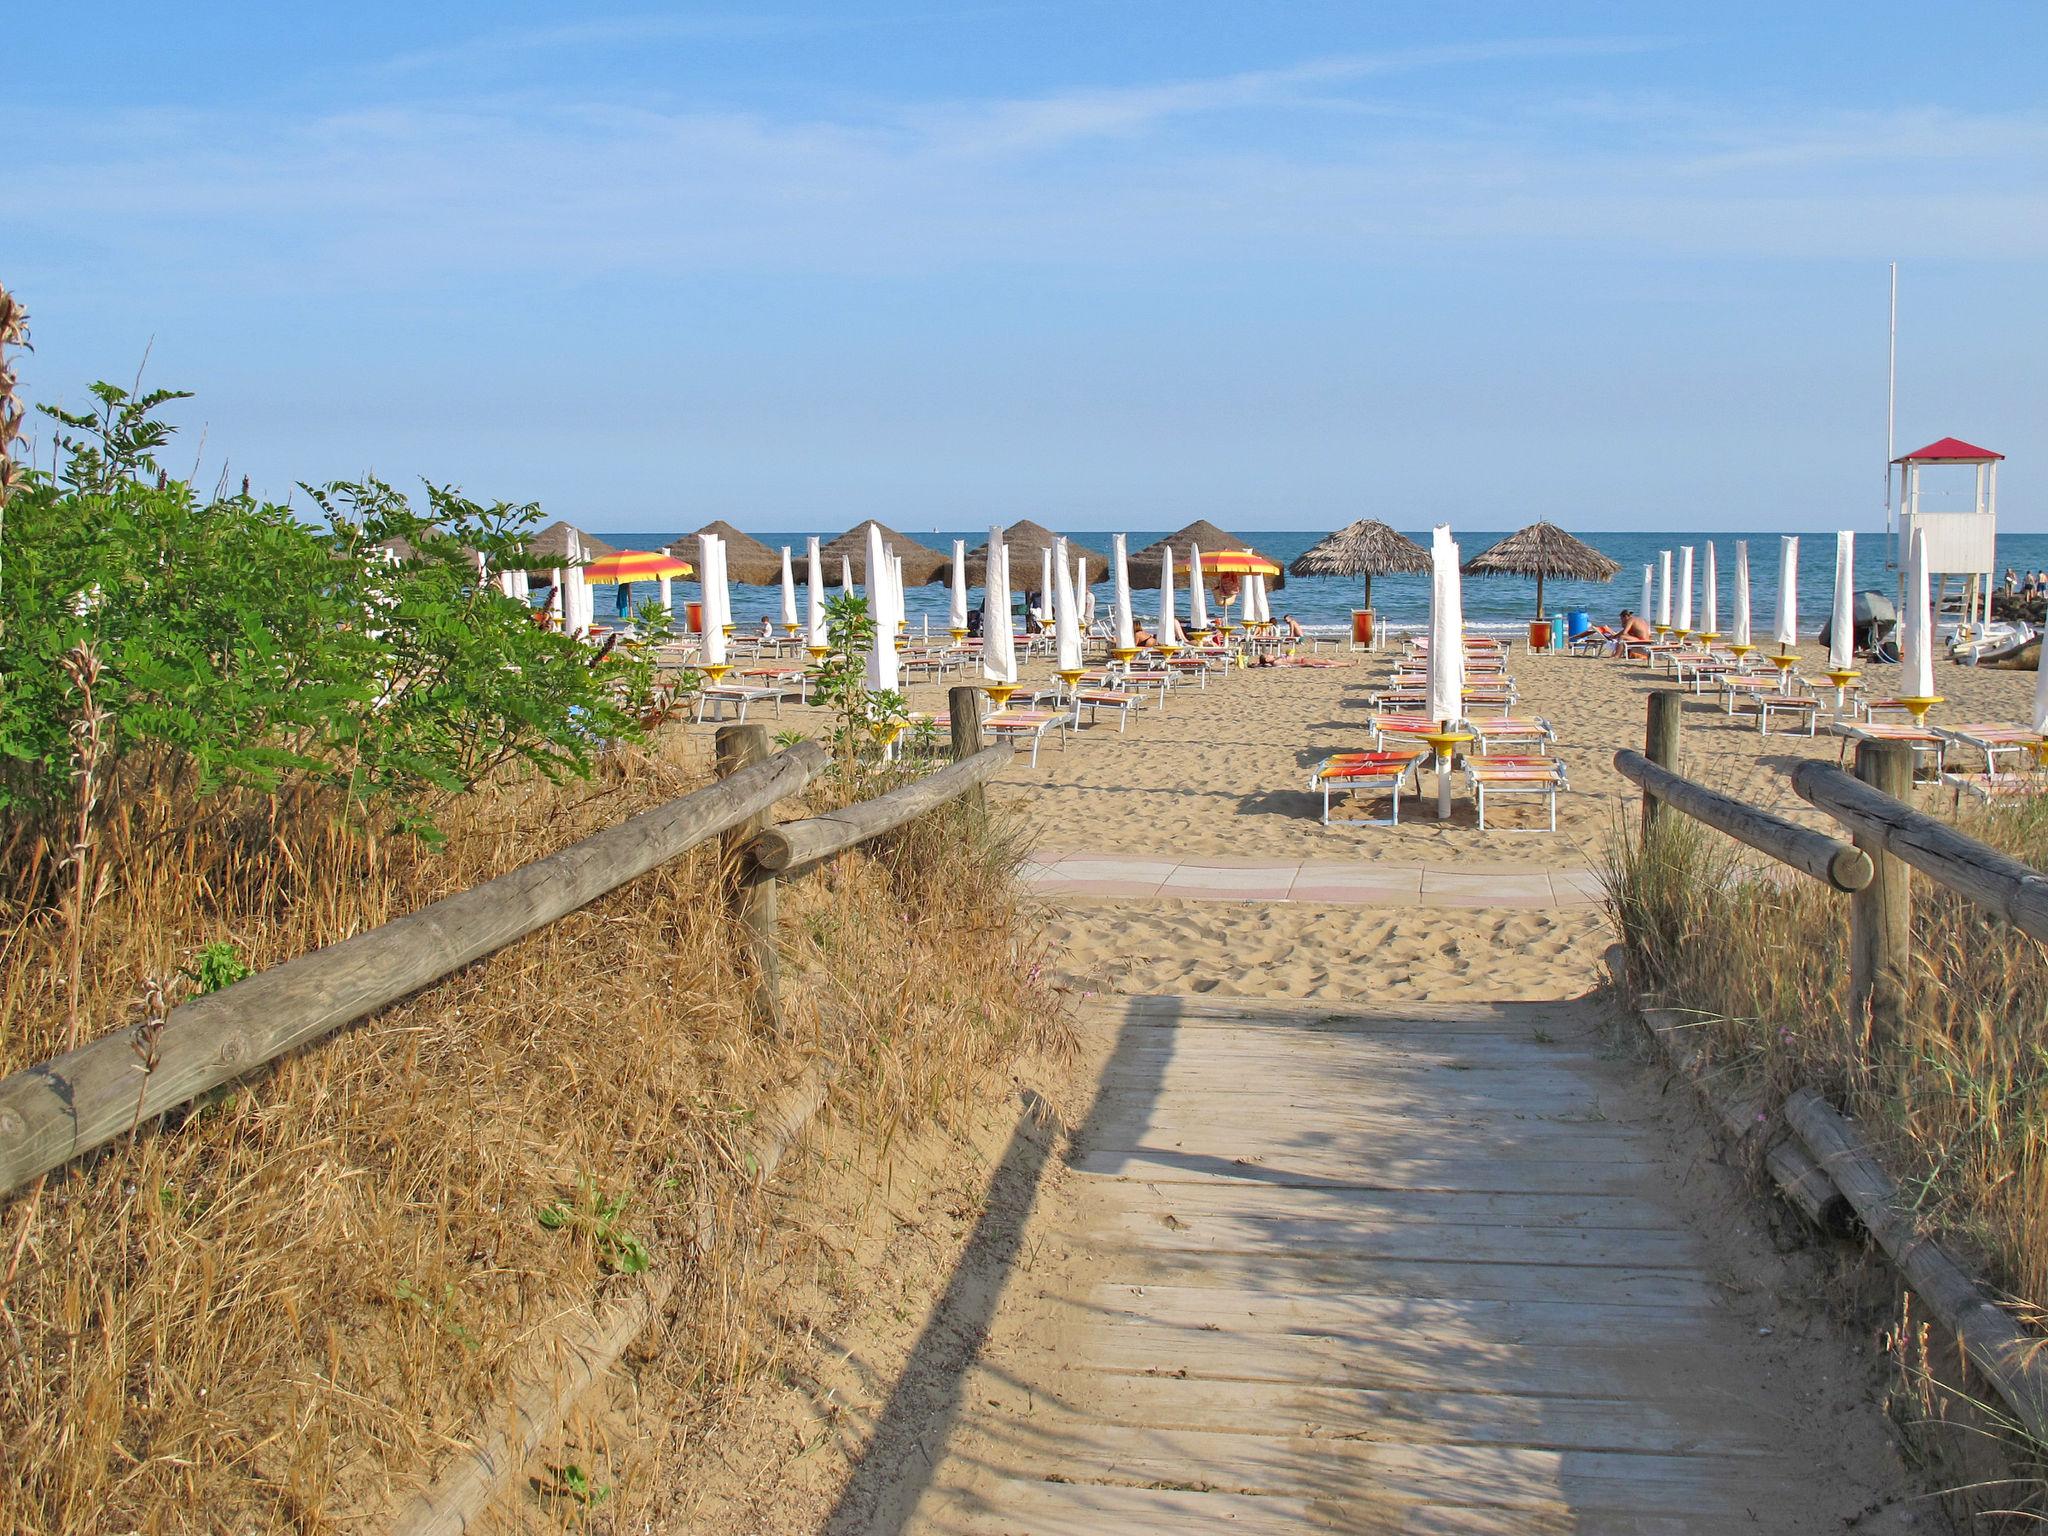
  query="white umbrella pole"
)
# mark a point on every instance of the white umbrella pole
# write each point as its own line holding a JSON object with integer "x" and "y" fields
{"x": 815, "y": 598}
{"x": 881, "y": 669}
{"x": 1841, "y": 632}
{"x": 1166, "y": 603}
{"x": 1125, "y": 640}
{"x": 1741, "y": 635}
{"x": 1066, "y": 628}
{"x": 956, "y": 613}
{"x": 1446, "y": 655}
{"x": 1919, "y": 628}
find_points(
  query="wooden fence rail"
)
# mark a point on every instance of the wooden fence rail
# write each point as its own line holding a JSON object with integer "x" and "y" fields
{"x": 1829, "y": 860}
{"x": 1831, "y": 1161}
{"x": 64, "y": 1108}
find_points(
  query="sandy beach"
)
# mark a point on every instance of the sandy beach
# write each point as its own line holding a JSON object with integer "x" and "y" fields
{"x": 1192, "y": 818}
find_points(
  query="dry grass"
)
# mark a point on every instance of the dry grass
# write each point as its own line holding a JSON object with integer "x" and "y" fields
{"x": 288, "y": 1308}
{"x": 1958, "y": 1105}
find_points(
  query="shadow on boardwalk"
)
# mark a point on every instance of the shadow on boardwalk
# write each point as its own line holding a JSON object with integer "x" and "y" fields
{"x": 1418, "y": 1270}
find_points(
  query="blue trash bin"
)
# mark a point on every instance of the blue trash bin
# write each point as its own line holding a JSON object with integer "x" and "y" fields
{"x": 1576, "y": 622}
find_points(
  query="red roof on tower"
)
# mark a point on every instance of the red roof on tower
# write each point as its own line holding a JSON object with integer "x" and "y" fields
{"x": 1948, "y": 450}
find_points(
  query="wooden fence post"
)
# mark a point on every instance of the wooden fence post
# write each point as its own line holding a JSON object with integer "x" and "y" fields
{"x": 1660, "y": 745}
{"x": 753, "y": 888}
{"x": 1881, "y": 914}
{"x": 963, "y": 707}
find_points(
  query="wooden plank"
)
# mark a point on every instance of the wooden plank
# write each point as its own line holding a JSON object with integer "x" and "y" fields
{"x": 1070, "y": 1401}
{"x": 1294, "y": 1274}
{"x": 1031, "y": 1507}
{"x": 1472, "y": 1208}
{"x": 1504, "y": 1477}
{"x": 1163, "y": 1231}
{"x": 1310, "y": 1167}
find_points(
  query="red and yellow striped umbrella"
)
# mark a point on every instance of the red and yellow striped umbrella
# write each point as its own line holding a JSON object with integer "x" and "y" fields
{"x": 1237, "y": 562}
{"x": 637, "y": 565}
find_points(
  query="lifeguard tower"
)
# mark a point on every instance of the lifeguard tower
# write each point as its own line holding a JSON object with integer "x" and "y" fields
{"x": 1958, "y": 543}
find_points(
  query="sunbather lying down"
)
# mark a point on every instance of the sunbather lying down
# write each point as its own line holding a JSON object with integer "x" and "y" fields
{"x": 1320, "y": 663}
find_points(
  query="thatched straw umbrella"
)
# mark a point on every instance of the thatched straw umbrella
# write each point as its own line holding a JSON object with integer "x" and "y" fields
{"x": 550, "y": 547}
{"x": 920, "y": 561}
{"x": 1026, "y": 542}
{"x": 747, "y": 560}
{"x": 1145, "y": 564}
{"x": 1540, "y": 550}
{"x": 1366, "y": 548}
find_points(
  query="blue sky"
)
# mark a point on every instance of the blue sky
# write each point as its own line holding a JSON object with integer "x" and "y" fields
{"x": 1121, "y": 263}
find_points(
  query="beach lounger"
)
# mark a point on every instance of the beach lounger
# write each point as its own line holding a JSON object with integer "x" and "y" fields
{"x": 715, "y": 698}
{"x": 777, "y": 677}
{"x": 1928, "y": 746}
{"x": 1351, "y": 772}
{"x": 1596, "y": 639}
{"x": 1514, "y": 775}
{"x": 1795, "y": 706}
{"x": 1096, "y": 700}
{"x": 1019, "y": 726}
{"x": 1992, "y": 786}
{"x": 1410, "y": 727}
{"x": 1528, "y": 732}
{"x": 1992, "y": 738}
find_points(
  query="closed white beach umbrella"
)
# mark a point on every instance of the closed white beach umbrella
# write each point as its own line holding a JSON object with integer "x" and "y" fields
{"x": 1084, "y": 594}
{"x": 1786, "y": 630}
{"x": 1917, "y": 642}
{"x": 1741, "y": 634}
{"x": 899, "y": 609}
{"x": 845, "y": 573}
{"x": 998, "y": 644}
{"x": 1685, "y": 588}
{"x": 1446, "y": 630}
{"x": 956, "y": 613}
{"x": 1664, "y": 591}
{"x": 881, "y": 673}
{"x": 788, "y": 592}
{"x": 1256, "y": 609}
{"x": 814, "y": 606}
{"x": 1841, "y": 631}
{"x": 1045, "y": 580}
{"x": 1710, "y": 597}
{"x": 1198, "y": 597}
{"x": 2041, "y": 701}
{"x": 711, "y": 576}
{"x": 1166, "y": 604}
{"x": 1649, "y": 593}
{"x": 1066, "y": 616}
{"x": 1120, "y": 560}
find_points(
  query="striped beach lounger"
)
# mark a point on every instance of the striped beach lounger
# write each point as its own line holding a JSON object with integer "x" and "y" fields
{"x": 1514, "y": 775}
{"x": 1992, "y": 738}
{"x": 1530, "y": 733}
{"x": 1351, "y": 772}
{"x": 1019, "y": 726}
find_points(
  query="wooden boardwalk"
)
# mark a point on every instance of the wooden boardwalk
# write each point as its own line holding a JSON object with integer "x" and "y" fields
{"x": 1413, "y": 1272}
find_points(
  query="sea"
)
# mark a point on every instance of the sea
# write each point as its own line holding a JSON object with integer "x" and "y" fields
{"x": 1504, "y": 604}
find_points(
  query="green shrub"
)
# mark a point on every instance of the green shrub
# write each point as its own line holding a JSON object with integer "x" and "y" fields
{"x": 246, "y": 648}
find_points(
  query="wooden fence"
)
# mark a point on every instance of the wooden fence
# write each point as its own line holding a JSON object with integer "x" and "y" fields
{"x": 1817, "y": 1157}
{"x": 63, "y": 1109}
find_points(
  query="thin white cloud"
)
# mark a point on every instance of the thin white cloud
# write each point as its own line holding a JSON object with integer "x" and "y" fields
{"x": 540, "y": 183}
